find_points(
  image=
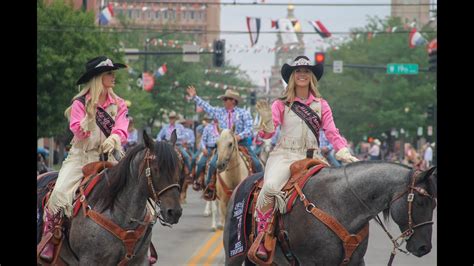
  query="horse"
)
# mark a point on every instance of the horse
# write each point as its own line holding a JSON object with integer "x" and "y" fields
{"x": 231, "y": 167}
{"x": 265, "y": 150}
{"x": 119, "y": 199}
{"x": 354, "y": 194}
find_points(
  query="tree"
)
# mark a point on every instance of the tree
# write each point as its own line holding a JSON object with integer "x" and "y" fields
{"x": 368, "y": 101}
{"x": 67, "y": 38}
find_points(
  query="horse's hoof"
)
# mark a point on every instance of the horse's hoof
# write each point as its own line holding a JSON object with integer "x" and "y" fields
{"x": 213, "y": 229}
{"x": 220, "y": 227}
{"x": 183, "y": 201}
{"x": 206, "y": 214}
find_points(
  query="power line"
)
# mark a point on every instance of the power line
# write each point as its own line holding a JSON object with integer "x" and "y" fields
{"x": 286, "y": 4}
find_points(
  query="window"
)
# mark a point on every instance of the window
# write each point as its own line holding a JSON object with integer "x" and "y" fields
{"x": 157, "y": 14}
{"x": 192, "y": 14}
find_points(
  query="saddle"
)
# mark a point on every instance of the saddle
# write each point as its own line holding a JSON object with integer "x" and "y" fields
{"x": 300, "y": 172}
{"x": 210, "y": 190}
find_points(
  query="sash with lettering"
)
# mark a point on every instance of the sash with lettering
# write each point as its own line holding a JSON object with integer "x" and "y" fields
{"x": 310, "y": 117}
{"x": 103, "y": 120}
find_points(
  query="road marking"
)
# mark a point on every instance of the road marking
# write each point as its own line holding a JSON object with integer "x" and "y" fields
{"x": 214, "y": 253}
{"x": 194, "y": 260}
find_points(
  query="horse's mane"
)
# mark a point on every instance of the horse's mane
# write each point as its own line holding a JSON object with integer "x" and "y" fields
{"x": 118, "y": 175}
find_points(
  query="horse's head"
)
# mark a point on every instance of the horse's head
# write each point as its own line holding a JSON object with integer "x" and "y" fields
{"x": 164, "y": 165}
{"x": 414, "y": 213}
{"x": 226, "y": 146}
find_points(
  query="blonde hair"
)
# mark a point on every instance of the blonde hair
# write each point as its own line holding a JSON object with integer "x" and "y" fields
{"x": 290, "y": 91}
{"x": 95, "y": 87}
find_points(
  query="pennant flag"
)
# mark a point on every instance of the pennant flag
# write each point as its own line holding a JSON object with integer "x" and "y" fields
{"x": 148, "y": 81}
{"x": 161, "y": 70}
{"x": 415, "y": 39}
{"x": 319, "y": 28}
{"x": 106, "y": 14}
{"x": 287, "y": 30}
{"x": 274, "y": 24}
{"x": 253, "y": 26}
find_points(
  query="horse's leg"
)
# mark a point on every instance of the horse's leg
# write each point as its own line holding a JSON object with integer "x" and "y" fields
{"x": 213, "y": 208}
{"x": 183, "y": 192}
{"x": 222, "y": 214}
{"x": 207, "y": 209}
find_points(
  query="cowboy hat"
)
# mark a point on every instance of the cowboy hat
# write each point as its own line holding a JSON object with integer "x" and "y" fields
{"x": 96, "y": 66}
{"x": 172, "y": 114}
{"x": 377, "y": 142}
{"x": 207, "y": 117}
{"x": 231, "y": 94}
{"x": 301, "y": 61}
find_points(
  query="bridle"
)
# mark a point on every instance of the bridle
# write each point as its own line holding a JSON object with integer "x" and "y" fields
{"x": 405, "y": 235}
{"x": 151, "y": 188}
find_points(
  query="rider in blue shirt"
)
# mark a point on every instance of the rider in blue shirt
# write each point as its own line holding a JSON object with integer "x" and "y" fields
{"x": 229, "y": 116}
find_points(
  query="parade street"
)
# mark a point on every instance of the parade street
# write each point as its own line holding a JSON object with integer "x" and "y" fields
{"x": 191, "y": 241}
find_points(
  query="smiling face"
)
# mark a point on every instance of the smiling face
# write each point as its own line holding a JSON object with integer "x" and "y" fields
{"x": 108, "y": 79}
{"x": 302, "y": 77}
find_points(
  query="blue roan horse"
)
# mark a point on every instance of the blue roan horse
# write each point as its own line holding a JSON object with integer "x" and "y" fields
{"x": 354, "y": 194}
{"x": 148, "y": 170}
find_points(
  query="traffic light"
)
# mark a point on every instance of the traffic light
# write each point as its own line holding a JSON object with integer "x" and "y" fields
{"x": 319, "y": 57}
{"x": 253, "y": 98}
{"x": 433, "y": 60}
{"x": 430, "y": 111}
{"x": 219, "y": 53}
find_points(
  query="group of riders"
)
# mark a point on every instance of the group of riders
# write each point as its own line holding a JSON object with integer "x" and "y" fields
{"x": 98, "y": 118}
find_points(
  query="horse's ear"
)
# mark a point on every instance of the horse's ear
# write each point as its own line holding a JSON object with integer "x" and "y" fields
{"x": 173, "y": 137}
{"x": 149, "y": 142}
{"x": 425, "y": 175}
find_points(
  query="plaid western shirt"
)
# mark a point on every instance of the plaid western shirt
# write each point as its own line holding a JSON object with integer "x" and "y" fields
{"x": 240, "y": 117}
{"x": 209, "y": 136}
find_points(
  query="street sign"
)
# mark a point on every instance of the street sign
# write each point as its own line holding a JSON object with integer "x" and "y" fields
{"x": 190, "y": 57}
{"x": 337, "y": 66}
{"x": 402, "y": 69}
{"x": 430, "y": 130}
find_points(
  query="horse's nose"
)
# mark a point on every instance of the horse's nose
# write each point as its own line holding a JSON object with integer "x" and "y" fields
{"x": 423, "y": 250}
{"x": 174, "y": 213}
{"x": 221, "y": 166}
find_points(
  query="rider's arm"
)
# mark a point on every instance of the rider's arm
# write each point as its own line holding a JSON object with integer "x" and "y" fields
{"x": 204, "y": 137}
{"x": 121, "y": 121}
{"x": 78, "y": 112}
{"x": 247, "y": 120}
{"x": 209, "y": 109}
{"x": 278, "y": 107}
{"x": 332, "y": 133}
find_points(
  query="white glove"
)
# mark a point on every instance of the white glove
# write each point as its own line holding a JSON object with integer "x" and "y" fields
{"x": 265, "y": 112}
{"x": 111, "y": 143}
{"x": 345, "y": 156}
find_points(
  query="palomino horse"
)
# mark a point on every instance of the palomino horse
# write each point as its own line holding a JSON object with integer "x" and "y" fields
{"x": 231, "y": 167}
{"x": 119, "y": 200}
{"x": 355, "y": 194}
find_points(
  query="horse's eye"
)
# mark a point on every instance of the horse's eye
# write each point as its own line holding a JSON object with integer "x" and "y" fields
{"x": 230, "y": 145}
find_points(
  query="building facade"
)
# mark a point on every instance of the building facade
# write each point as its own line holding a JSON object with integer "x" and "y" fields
{"x": 422, "y": 12}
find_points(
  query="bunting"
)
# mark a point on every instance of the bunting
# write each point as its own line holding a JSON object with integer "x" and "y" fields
{"x": 288, "y": 34}
{"x": 319, "y": 28}
{"x": 253, "y": 26}
{"x": 106, "y": 14}
{"x": 416, "y": 39}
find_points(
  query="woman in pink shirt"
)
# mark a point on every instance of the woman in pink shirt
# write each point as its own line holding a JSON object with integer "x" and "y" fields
{"x": 98, "y": 119}
{"x": 301, "y": 112}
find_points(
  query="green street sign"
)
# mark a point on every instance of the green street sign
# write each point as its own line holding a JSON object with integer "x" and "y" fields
{"x": 402, "y": 69}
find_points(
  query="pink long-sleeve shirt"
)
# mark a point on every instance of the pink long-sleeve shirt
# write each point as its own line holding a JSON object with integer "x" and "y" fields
{"x": 78, "y": 113}
{"x": 327, "y": 121}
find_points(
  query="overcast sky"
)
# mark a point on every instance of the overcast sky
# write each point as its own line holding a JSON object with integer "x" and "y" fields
{"x": 335, "y": 18}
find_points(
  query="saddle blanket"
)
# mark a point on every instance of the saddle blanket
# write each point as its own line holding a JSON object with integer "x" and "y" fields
{"x": 238, "y": 220}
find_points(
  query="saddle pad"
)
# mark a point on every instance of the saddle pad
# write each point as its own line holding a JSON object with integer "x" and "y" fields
{"x": 42, "y": 183}
{"x": 237, "y": 227}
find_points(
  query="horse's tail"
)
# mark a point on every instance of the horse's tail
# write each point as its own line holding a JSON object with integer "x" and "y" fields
{"x": 43, "y": 186}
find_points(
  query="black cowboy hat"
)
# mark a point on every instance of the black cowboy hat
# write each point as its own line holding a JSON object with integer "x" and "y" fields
{"x": 96, "y": 66}
{"x": 301, "y": 61}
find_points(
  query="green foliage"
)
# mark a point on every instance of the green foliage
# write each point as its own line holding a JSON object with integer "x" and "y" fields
{"x": 65, "y": 42}
{"x": 369, "y": 101}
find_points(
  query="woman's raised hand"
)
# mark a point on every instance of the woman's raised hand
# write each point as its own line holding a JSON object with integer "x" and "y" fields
{"x": 265, "y": 112}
